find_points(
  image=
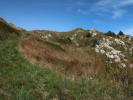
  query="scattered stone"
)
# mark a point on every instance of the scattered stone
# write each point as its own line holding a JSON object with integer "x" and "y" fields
{"x": 131, "y": 65}
{"x": 123, "y": 65}
{"x": 105, "y": 47}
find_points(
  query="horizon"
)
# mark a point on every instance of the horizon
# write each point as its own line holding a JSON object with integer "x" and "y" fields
{"x": 61, "y": 15}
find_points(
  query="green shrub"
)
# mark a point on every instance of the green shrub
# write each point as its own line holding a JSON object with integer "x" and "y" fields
{"x": 121, "y": 33}
{"x": 110, "y": 33}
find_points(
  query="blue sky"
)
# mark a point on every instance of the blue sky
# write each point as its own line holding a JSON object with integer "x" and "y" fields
{"x": 64, "y": 15}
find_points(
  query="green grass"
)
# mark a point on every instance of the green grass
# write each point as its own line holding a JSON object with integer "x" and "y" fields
{"x": 20, "y": 80}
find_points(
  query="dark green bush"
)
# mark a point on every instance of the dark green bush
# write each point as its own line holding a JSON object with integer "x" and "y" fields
{"x": 121, "y": 33}
{"x": 110, "y": 33}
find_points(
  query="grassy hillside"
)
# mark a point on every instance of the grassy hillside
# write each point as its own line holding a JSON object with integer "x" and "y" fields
{"x": 8, "y": 30}
{"x": 76, "y": 65}
{"x": 20, "y": 80}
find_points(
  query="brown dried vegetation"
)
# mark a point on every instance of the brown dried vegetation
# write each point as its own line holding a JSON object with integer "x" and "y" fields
{"x": 66, "y": 59}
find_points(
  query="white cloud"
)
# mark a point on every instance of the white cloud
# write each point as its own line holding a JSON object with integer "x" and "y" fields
{"x": 125, "y": 3}
{"x": 114, "y": 3}
{"x": 116, "y": 7}
{"x": 117, "y": 13}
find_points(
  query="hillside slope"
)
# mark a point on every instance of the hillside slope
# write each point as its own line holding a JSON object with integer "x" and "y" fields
{"x": 75, "y": 65}
{"x": 83, "y": 53}
{"x": 7, "y": 30}
{"x": 20, "y": 80}
{"x": 79, "y": 52}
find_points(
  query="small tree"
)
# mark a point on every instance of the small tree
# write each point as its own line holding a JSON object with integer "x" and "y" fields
{"x": 120, "y": 33}
{"x": 110, "y": 33}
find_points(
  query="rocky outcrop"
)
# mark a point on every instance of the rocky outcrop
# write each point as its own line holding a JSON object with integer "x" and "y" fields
{"x": 115, "y": 49}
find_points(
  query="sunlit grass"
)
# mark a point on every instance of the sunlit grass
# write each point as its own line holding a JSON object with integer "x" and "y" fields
{"x": 20, "y": 80}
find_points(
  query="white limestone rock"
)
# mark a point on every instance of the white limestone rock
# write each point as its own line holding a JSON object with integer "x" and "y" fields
{"x": 102, "y": 51}
{"x": 119, "y": 42}
{"x": 131, "y": 65}
{"x": 123, "y": 65}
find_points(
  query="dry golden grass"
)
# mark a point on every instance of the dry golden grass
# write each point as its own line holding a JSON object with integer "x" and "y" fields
{"x": 72, "y": 61}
